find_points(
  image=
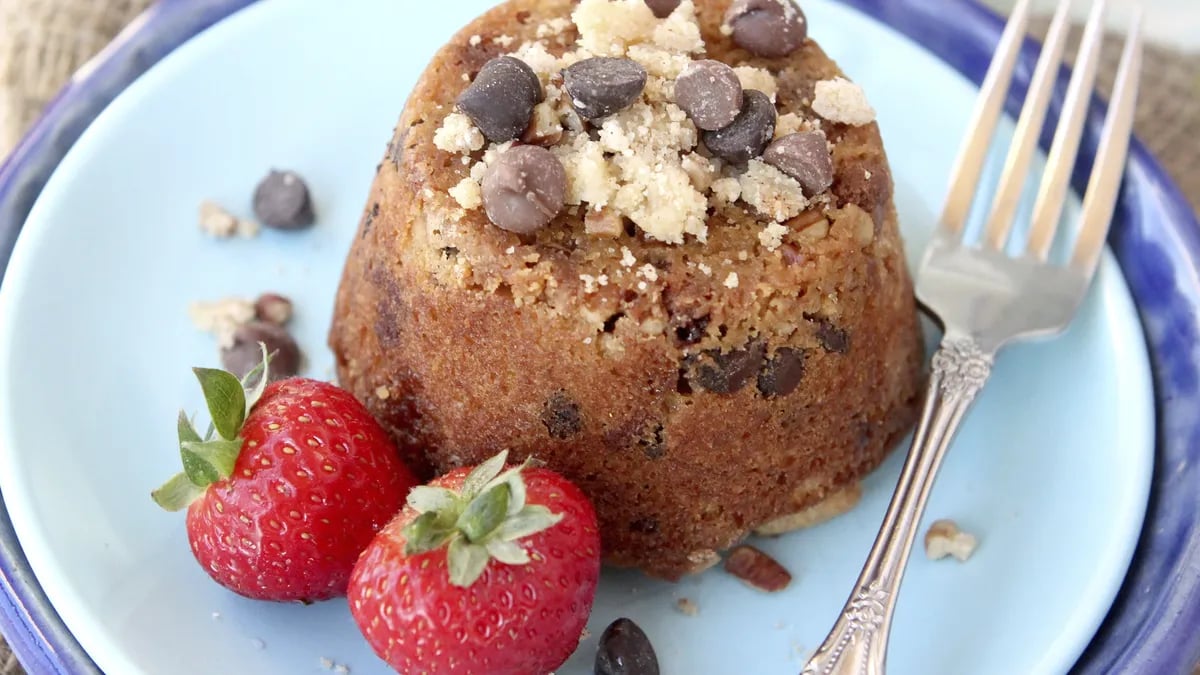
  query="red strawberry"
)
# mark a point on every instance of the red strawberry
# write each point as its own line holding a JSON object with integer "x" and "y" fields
{"x": 482, "y": 572}
{"x": 296, "y": 482}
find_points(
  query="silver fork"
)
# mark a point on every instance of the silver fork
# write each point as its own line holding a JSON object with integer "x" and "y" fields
{"x": 986, "y": 298}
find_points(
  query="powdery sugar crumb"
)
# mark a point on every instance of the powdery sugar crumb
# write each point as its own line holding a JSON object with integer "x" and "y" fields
{"x": 467, "y": 193}
{"x": 840, "y": 100}
{"x": 458, "y": 135}
{"x": 772, "y": 236}
{"x": 726, "y": 190}
{"x": 771, "y": 192}
{"x": 221, "y": 318}
{"x": 553, "y": 27}
{"x": 758, "y": 78}
{"x": 216, "y": 221}
{"x": 609, "y": 28}
{"x": 789, "y": 124}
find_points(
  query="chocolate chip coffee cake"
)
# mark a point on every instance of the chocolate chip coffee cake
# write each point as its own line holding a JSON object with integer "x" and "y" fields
{"x": 651, "y": 244}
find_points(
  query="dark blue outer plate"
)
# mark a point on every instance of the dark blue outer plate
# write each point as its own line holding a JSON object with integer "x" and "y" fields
{"x": 1154, "y": 626}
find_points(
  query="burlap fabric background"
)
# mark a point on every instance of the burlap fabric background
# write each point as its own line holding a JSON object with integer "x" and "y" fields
{"x": 42, "y": 42}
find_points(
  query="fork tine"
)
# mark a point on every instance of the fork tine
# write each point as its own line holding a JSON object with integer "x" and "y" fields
{"x": 1029, "y": 129}
{"x": 1101, "y": 198}
{"x": 1047, "y": 210}
{"x": 969, "y": 164}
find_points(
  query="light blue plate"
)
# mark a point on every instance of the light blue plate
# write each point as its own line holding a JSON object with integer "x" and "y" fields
{"x": 1051, "y": 470}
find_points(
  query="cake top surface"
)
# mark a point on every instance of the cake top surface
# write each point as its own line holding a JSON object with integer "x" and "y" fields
{"x": 616, "y": 114}
{"x": 554, "y": 155}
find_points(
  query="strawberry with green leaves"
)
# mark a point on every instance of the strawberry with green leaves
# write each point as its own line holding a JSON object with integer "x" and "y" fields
{"x": 491, "y": 570}
{"x": 289, "y": 485}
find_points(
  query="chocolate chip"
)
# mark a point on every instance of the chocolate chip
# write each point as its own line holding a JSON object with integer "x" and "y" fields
{"x": 273, "y": 308}
{"x": 388, "y": 321}
{"x": 644, "y": 526}
{"x": 369, "y": 220}
{"x": 397, "y": 147}
{"x": 866, "y": 182}
{"x": 602, "y": 85}
{"x": 682, "y": 385}
{"x": 710, "y": 93}
{"x": 625, "y": 650}
{"x": 663, "y": 8}
{"x": 692, "y": 330}
{"x": 561, "y": 416}
{"x": 727, "y": 372}
{"x": 865, "y": 430}
{"x": 532, "y": 86}
{"x": 750, "y": 132}
{"x": 805, "y": 157}
{"x": 831, "y": 338}
{"x": 501, "y": 99}
{"x": 391, "y": 309}
{"x": 770, "y": 28}
{"x": 282, "y": 201}
{"x": 245, "y": 354}
{"x": 653, "y": 443}
{"x": 524, "y": 189}
{"x": 782, "y": 373}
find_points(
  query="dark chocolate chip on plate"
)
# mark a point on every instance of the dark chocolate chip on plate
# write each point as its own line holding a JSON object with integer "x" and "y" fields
{"x": 245, "y": 353}
{"x": 663, "y": 8}
{"x": 805, "y": 157}
{"x": 747, "y": 137}
{"x": 782, "y": 373}
{"x": 282, "y": 201}
{"x": 710, "y": 93}
{"x": 625, "y": 650}
{"x": 603, "y": 85}
{"x": 501, "y": 99}
{"x": 524, "y": 189}
{"x": 769, "y": 28}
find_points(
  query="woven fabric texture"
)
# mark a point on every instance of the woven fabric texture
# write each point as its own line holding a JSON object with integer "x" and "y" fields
{"x": 8, "y": 662}
{"x": 42, "y": 42}
{"x": 1168, "y": 114}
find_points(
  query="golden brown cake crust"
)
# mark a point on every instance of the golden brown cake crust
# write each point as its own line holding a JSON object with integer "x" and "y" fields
{"x": 464, "y": 339}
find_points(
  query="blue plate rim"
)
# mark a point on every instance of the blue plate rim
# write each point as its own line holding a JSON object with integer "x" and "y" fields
{"x": 1152, "y": 627}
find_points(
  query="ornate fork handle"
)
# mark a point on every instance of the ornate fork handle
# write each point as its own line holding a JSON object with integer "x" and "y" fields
{"x": 857, "y": 645}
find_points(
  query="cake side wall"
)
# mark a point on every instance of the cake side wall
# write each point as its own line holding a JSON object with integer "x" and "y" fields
{"x": 464, "y": 339}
